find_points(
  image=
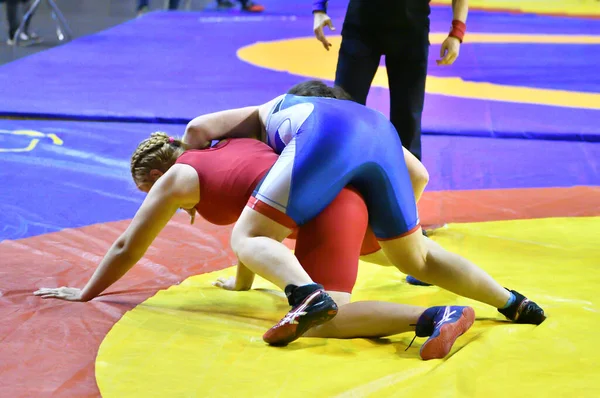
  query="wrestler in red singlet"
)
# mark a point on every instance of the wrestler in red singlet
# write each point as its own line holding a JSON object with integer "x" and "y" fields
{"x": 328, "y": 247}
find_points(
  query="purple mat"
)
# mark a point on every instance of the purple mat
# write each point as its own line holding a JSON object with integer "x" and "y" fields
{"x": 171, "y": 67}
{"x": 461, "y": 163}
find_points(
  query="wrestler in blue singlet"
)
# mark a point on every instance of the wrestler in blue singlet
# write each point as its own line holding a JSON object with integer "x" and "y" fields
{"x": 326, "y": 144}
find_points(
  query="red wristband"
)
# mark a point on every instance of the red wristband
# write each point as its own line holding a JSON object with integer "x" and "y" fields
{"x": 458, "y": 30}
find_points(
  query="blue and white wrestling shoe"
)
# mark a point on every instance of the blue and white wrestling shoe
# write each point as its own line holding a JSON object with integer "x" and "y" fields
{"x": 443, "y": 325}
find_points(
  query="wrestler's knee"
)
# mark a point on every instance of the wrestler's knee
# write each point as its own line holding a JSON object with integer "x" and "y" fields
{"x": 240, "y": 237}
{"x": 419, "y": 176}
{"x": 408, "y": 253}
{"x": 253, "y": 224}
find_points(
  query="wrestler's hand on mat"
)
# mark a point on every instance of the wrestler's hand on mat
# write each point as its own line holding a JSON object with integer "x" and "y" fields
{"x": 61, "y": 293}
{"x": 449, "y": 51}
{"x": 227, "y": 284}
{"x": 320, "y": 21}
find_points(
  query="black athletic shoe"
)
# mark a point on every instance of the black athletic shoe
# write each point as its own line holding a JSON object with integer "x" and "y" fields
{"x": 316, "y": 308}
{"x": 523, "y": 310}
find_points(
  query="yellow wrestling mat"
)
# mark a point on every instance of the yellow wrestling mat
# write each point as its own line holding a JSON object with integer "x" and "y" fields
{"x": 566, "y": 7}
{"x": 291, "y": 55}
{"x": 195, "y": 340}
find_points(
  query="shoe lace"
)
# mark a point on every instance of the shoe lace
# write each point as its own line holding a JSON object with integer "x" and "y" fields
{"x": 411, "y": 342}
{"x": 445, "y": 317}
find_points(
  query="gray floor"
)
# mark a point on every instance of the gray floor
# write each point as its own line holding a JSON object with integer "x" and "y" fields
{"x": 84, "y": 17}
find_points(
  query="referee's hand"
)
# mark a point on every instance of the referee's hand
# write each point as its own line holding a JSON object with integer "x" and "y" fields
{"x": 449, "y": 51}
{"x": 320, "y": 21}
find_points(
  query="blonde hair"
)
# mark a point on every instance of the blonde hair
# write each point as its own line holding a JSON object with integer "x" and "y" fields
{"x": 159, "y": 152}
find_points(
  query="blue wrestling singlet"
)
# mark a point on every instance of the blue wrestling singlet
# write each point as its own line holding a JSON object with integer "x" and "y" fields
{"x": 326, "y": 144}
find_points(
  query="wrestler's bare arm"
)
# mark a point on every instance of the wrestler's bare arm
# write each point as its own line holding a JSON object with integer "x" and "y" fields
{"x": 176, "y": 188}
{"x": 244, "y": 277}
{"x": 233, "y": 123}
{"x": 246, "y": 122}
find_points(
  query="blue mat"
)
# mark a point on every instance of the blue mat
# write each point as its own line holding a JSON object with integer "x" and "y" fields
{"x": 85, "y": 180}
{"x": 78, "y": 174}
{"x": 171, "y": 67}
